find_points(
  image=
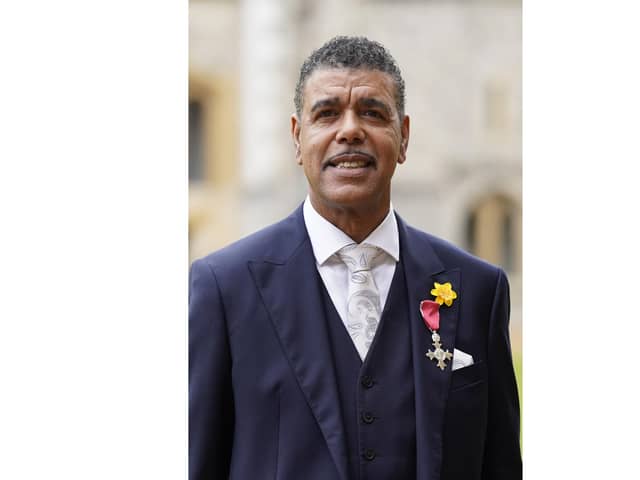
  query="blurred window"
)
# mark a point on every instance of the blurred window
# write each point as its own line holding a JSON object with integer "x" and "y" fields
{"x": 496, "y": 108}
{"x": 196, "y": 141}
{"x": 492, "y": 232}
{"x": 507, "y": 241}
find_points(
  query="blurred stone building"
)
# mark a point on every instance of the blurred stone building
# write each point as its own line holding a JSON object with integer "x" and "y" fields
{"x": 461, "y": 60}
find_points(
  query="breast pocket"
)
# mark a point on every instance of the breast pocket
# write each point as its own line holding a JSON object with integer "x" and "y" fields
{"x": 467, "y": 377}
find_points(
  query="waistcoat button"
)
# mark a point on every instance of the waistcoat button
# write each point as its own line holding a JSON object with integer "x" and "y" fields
{"x": 369, "y": 454}
{"x": 367, "y": 417}
{"x": 367, "y": 381}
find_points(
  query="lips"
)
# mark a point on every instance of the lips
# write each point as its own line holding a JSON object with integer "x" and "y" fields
{"x": 350, "y": 160}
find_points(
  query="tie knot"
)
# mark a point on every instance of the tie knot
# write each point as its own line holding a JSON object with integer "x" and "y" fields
{"x": 359, "y": 257}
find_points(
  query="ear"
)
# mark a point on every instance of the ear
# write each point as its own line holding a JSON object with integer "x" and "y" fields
{"x": 295, "y": 134}
{"x": 404, "y": 131}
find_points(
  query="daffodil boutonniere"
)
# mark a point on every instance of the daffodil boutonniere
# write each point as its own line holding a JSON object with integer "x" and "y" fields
{"x": 444, "y": 293}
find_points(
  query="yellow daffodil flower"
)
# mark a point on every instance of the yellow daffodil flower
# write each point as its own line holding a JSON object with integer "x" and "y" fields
{"x": 444, "y": 294}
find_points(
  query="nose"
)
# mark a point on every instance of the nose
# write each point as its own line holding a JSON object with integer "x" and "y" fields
{"x": 350, "y": 130}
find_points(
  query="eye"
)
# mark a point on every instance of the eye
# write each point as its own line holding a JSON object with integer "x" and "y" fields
{"x": 373, "y": 114}
{"x": 327, "y": 113}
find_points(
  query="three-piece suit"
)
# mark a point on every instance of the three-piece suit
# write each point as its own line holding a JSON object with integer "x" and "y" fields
{"x": 277, "y": 390}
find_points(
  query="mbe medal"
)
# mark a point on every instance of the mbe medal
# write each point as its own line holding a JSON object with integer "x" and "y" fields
{"x": 439, "y": 354}
{"x": 430, "y": 311}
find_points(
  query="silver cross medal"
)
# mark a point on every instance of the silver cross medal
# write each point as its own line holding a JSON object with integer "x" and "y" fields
{"x": 439, "y": 354}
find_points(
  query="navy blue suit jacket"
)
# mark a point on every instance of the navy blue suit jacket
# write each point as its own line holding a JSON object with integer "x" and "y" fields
{"x": 262, "y": 390}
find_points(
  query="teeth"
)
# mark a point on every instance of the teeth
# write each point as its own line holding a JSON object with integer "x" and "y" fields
{"x": 351, "y": 164}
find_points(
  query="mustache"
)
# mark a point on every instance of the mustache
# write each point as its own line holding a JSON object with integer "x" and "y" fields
{"x": 337, "y": 156}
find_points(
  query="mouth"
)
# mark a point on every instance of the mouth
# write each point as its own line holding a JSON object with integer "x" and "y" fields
{"x": 350, "y": 160}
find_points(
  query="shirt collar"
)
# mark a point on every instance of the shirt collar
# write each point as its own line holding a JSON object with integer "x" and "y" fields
{"x": 327, "y": 239}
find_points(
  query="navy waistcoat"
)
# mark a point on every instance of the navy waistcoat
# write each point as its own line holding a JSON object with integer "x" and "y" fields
{"x": 377, "y": 398}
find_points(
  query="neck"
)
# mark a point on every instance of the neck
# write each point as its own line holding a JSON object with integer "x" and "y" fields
{"x": 357, "y": 223}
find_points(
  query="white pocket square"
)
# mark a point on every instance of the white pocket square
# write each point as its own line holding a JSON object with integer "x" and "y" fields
{"x": 461, "y": 359}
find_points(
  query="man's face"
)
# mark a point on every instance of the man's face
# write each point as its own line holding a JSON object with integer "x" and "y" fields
{"x": 349, "y": 139}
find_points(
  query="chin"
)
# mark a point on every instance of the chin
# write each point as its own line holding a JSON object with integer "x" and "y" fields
{"x": 353, "y": 198}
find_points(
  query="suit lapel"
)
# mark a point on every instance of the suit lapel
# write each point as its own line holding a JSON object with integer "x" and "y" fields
{"x": 292, "y": 297}
{"x": 422, "y": 269}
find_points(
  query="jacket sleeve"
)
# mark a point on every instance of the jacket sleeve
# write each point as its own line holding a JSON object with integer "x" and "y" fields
{"x": 211, "y": 413}
{"x": 502, "y": 460}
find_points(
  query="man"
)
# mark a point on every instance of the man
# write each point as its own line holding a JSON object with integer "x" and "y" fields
{"x": 341, "y": 343}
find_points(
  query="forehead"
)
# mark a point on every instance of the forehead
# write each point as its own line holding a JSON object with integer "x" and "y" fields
{"x": 340, "y": 82}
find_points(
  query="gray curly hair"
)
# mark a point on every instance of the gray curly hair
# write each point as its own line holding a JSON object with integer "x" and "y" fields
{"x": 351, "y": 52}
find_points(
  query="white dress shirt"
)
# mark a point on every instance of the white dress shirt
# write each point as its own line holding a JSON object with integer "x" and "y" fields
{"x": 327, "y": 239}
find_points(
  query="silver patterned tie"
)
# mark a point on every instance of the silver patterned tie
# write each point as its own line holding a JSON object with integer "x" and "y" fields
{"x": 363, "y": 300}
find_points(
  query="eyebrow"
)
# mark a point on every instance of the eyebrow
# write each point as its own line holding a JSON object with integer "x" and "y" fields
{"x": 326, "y": 102}
{"x": 373, "y": 103}
{"x": 363, "y": 102}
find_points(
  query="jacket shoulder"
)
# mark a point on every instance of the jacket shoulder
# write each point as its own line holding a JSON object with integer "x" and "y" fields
{"x": 453, "y": 256}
